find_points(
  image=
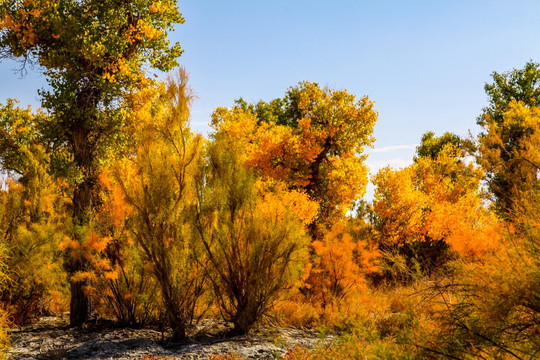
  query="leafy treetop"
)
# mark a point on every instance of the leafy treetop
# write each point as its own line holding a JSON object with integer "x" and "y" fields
{"x": 92, "y": 53}
{"x": 313, "y": 139}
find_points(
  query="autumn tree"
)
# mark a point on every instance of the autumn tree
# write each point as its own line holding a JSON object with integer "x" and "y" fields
{"x": 507, "y": 122}
{"x": 313, "y": 139}
{"x": 92, "y": 53}
{"x": 431, "y": 145}
{"x": 158, "y": 183}
{"x": 431, "y": 207}
{"x": 253, "y": 230}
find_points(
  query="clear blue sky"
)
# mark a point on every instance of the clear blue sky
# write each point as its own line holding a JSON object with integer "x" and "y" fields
{"x": 424, "y": 63}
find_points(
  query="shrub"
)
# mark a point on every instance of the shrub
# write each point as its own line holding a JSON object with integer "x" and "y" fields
{"x": 253, "y": 232}
{"x": 157, "y": 182}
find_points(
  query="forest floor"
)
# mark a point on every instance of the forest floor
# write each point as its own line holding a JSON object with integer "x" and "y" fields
{"x": 51, "y": 338}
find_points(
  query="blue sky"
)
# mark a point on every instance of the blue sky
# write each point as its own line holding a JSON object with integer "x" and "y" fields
{"x": 424, "y": 63}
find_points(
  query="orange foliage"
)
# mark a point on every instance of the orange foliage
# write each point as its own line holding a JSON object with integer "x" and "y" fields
{"x": 433, "y": 201}
{"x": 339, "y": 265}
{"x": 318, "y": 151}
{"x": 122, "y": 282}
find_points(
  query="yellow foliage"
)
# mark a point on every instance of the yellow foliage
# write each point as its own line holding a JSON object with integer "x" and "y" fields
{"x": 5, "y": 339}
{"x": 435, "y": 200}
{"x": 319, "y": 151}
{"x": 32, "y": 224}
{"x": 509, "y": 151}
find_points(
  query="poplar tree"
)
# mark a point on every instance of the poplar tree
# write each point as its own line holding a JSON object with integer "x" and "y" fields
{"x": 94, "y": 54}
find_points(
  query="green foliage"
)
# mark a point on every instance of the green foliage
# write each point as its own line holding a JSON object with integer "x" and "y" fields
{"x": 515, "y": 85}
{"x": 92, "y": 53}
{"x": 505, "y": 136}
{"x": 431, "y": 146}
{"x": 18, "y": 136}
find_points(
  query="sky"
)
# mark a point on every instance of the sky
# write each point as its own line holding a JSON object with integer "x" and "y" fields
{"x": 423, "y": 63}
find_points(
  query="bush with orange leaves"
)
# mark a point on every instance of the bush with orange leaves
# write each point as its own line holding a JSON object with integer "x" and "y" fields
{"x": 339, "y": 265}
{"x": 493, "y": 309}
{"x": 123, "y": 286}
{"x": 334, "y": 287}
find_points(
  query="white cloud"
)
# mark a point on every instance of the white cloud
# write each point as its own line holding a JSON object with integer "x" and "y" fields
{"x": 393, "y": 148}
{"x": 396, "y": 163}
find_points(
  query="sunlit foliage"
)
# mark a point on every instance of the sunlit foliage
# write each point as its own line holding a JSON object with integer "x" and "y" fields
{"x": 313, "y": 139}
{"x": 433, "y": 206}
{"x": 510, "y": 129}
{"x": 340, "y": 263}
{"x": 158, "y": 184}
{"x": 122, "y": 283}
{"x": 93, "y": 54}
{"x": 109, "y": 190}
{"x": 32, "y": 219}
{"x": 253, "y": 231}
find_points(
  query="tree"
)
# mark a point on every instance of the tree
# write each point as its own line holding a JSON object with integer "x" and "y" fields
{"x": 431, "y": 207}
{"x": 313, "y": 139}
{"x": 506, "y": 133}
{"x": 93, "y": 54}
{"x": 431, "y": 146}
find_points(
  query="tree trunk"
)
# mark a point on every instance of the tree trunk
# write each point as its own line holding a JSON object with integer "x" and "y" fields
{"x": 80, "y": 305}
{"x": 80, "y": 302}
{"x": 177, "y": 319}
{"x": 178, "y": 330}
{"x": 244, "y": 320}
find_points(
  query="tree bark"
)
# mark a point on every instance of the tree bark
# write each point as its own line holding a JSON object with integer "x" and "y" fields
{"x": 80, "y": 305}
{"x": 80, "y": 301}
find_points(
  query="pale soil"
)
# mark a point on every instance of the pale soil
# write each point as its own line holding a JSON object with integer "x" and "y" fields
{"x": 50, "y": 338}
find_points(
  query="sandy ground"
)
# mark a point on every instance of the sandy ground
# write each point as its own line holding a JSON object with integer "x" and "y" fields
{"x": 51, "y": 338}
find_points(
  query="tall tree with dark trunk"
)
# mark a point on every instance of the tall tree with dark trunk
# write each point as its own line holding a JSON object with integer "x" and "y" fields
{"x": 93, "y": 53}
